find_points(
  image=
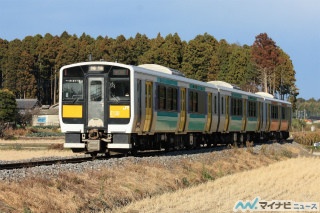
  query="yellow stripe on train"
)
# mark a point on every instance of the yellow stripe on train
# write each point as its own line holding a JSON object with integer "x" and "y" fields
{"x": 72, "y": 111}
{"x": 119, "y": 111}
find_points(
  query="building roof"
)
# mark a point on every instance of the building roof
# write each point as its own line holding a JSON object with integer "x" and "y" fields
{"x": 27, "y": 104}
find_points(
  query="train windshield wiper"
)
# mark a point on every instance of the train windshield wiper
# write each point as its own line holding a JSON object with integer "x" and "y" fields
{"x": 116, "y": 99}
{"x": 75, "y": 98}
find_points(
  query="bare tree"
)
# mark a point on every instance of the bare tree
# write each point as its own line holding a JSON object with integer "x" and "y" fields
{"x": 265, "y": 55}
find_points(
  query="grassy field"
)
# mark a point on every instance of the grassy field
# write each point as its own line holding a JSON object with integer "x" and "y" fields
{"x": 294, "y": 179}
{"x": 7, "y": 155}
{"x": 109, "y": 188}
{"x": 26, "y": 149}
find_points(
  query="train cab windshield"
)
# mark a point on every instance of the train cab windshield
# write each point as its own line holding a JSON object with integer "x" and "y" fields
{"x": 117, "y": 82}
{"x": 119, "y": 89}
{"x": 72, "y": 89}
{"x": 119, "y": 85}
{"x": 72, "y": 85}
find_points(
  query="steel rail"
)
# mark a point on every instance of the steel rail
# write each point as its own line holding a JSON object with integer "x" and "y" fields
{"x": 154, "y": 153}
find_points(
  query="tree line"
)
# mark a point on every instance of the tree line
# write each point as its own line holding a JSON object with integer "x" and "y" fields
{"x": 29, "y": 67}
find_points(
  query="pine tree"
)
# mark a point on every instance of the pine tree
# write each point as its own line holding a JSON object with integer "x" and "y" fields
{"x": 8, "y": 106}
{"x": 197, "y": 56}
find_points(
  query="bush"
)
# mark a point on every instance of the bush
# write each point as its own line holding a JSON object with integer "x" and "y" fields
{"x": 298, "y": 124}
{"x": 8, "y": 107}
{"x": 45, "y": 134}
{"x": 306, "y": 138}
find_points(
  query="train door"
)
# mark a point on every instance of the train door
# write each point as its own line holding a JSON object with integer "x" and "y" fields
{"x": 139, "y": 106}
{"x": 268, "y": 114}
{"x": 221, "y": 114}
{"x": 148, "y": 105}
{"x": 95, "y": 102}
{"x": 259, "y": 115}
{"x": 183, "y": 112}
{"x": 215, "y": 111}
{"x": 227, "y": 112}
{"x": 244, "y": 115}
{"x": 209, "y": 118}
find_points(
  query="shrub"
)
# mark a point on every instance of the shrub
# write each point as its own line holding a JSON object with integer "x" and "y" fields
{"x": 45, "y": 134}
{"x": 306, "y": 138}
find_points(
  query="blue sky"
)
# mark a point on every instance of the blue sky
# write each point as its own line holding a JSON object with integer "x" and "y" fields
{"x": 293, "y": 24}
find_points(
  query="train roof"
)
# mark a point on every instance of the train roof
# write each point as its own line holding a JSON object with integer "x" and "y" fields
{"x": 163, "y": 69}
{"x": 166, "y": 72}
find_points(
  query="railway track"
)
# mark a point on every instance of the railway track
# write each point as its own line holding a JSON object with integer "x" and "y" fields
{"x": 35, "y": 163}
{"x": 29, "y": 164}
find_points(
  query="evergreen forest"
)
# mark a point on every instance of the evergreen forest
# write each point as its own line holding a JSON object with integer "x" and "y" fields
{"x": 29, "y": 67}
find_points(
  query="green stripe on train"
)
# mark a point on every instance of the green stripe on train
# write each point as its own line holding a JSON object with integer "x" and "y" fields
{"x": 197, "y": 123}
{"x": 197, "y": 116}
{"x": 197, "y": 87}
{"x": 167, "y": 81}
{"x": 236, "y": 95}
{"x": 168, "y": 114}
{"x": 166, "y": 121}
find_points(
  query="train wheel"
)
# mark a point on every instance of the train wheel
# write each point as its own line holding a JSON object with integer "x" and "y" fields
{"x": 242, "y": 140}
{"x": 107, "y": 154}
{"x": 133, "y": 152}
{"x": 77, "y": 150}
{"x": 93, "y": 155}
{"x": 235, "y": 140}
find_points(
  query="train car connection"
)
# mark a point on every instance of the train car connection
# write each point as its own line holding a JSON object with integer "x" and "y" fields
{"x": 107, "y": 106}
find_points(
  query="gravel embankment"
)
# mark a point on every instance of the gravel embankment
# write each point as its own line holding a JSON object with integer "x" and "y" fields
{"x": 166, "y": 159}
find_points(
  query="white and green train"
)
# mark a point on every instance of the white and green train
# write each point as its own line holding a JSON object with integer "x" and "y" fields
{"x": 106, "y": 106}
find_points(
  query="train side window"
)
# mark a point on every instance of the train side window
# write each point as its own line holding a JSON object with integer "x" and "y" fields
{"x": 161, "y": 97}
{"x": 236, "y": 106}
{"x": 274, "y": 112}
{"x": 233, "y": 107}
{"x": 172, "y": 98}
{"x": 252, "y": 110}
{"x": 175, "y": 99}
{"x": 193, "y": 101}
{"x": 202, "y": 102}
{"x": 240, "y": 111}
{"x": 169, "y": 98}
{"x": 190, "y": 101}
{"x": 283, "y": 113}
{"x": 215, "y": 104}
{"x": 222, "y": 105}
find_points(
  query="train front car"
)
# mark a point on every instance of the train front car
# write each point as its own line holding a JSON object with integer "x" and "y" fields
{"x": 95, "y": 100}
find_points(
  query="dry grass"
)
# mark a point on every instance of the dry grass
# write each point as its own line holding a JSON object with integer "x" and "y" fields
{"x": 33, "y": 140}
{"x": 16, "y": 152}
{"x": 294, "y": 179}
{"x": 109, "y": 188}
{"x": 7, "y": 155}
{"x": 306, "y": 138}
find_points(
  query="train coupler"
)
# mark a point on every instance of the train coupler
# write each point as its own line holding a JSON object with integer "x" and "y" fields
{"x": 93, "y": 145}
